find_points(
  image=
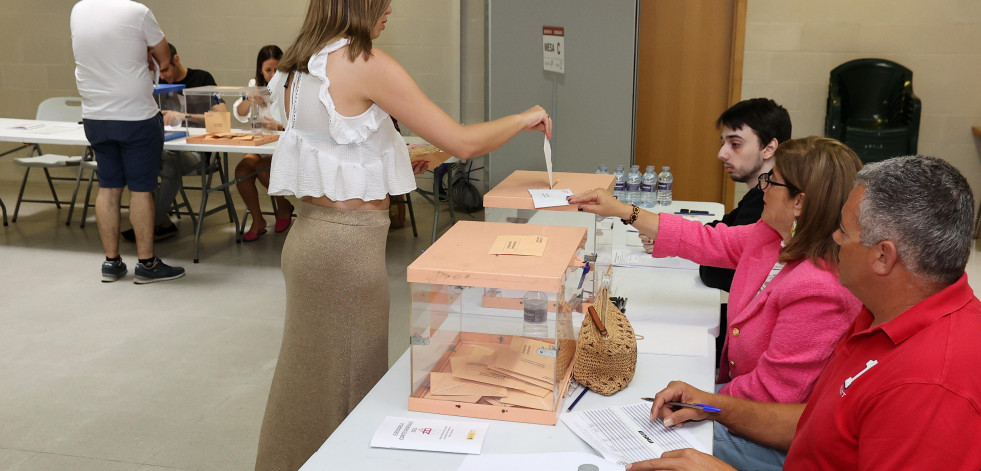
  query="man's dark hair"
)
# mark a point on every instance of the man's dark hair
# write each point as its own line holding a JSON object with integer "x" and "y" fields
{"x": 173, "y": 50}
{"x": 764, "y": 116}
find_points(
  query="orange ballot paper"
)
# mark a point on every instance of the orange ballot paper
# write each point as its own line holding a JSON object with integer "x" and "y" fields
{"x": 444, "y": 384}
{"x": 523, "y": 359}
{"x": 413, "y": 433}
{"x": 533, "y": 245}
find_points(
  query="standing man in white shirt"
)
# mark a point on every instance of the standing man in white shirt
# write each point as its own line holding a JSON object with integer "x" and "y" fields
{"x": 111, "y": 40}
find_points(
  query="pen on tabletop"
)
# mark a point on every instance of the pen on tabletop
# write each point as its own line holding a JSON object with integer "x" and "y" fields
{"x": 704, "y": 407}
{"x": 694, "y": 212}
{"x": 583, "y": 393}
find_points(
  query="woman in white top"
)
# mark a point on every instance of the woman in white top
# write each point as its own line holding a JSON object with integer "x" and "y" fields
{"x": 258, "y": 165}
{"x": 342, "y": 157}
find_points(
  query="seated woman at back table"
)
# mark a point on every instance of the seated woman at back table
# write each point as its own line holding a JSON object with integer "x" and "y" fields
{"x": 787, "y": 309}
{"x": 266, "y": 64}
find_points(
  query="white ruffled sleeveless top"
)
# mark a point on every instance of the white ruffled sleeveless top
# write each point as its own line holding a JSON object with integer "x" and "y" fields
{"x": 323, "y": 153}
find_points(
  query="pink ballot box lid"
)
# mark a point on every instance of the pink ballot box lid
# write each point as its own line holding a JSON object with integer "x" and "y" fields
{"x": 512, "y": 192}
{"x": 461, "y": 257}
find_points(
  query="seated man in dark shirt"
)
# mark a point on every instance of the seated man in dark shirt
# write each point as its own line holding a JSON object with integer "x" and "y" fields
{"x": 176, "y": 164}
{"x": 751, "y": 131}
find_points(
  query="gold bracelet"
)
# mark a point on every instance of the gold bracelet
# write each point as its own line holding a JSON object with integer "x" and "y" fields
{"x": 633, "y": 215}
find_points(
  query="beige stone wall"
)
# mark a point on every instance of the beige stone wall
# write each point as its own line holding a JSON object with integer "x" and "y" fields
{"x": 792, "y": 45}
{"x": 221, "y": 36}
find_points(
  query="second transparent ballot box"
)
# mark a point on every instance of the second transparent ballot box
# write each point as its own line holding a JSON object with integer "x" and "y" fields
{"x": 170, "y": 100}
{"x": 239, "y": 116}
{"x": 510, "y": 201}
{"x": 492, "y": 332}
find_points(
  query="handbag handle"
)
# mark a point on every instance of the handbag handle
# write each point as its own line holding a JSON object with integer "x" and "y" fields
{"x": 597, "y": 321}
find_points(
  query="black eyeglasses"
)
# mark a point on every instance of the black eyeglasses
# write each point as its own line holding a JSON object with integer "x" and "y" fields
{"x": 765, "y": 180}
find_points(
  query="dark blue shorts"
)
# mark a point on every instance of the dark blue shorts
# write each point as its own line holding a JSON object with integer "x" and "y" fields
{"x": 128, "y": 152}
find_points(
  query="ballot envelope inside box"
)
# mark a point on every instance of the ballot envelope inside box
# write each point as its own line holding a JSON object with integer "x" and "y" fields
{"x": 210, "y": 119}
{"x": 472, "y": 353}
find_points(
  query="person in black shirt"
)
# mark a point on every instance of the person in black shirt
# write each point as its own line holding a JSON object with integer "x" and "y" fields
{"x": 751, "y": 131}
{"x": 189, "y": 162}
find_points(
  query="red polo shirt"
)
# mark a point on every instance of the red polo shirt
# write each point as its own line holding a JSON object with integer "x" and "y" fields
{"x": 903, "y": 395}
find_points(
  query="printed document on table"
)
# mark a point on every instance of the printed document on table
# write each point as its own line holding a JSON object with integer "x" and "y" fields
{"x": 536, "y": 462}
{"x": 626, "y": 434}
{"x": 42, "y": 128}
{"x": 628, "y": 251}
{"x": 631, "y": 258}
{"x": 430, "y": 434}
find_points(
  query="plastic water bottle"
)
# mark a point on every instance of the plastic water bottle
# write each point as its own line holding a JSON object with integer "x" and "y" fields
{"x": 664, "y": 183}
{"x": 648, "y": 187}
{"x": 536, "y": 312}
{"x": 633, "y": 185}
{"x": 619, "y": 189}
{"x": 602, "y": 170}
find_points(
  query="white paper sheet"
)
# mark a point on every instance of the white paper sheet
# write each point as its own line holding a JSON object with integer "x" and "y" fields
{"x": 429, "y": 434}
{"x": 670, "y": 339}
{"x": 626, "y": 434}
{"x": 42, "y": 128}
{"x": 54, "y": 129}
{"x": 633, "y": 258}
{"x": 536, "y": 462}
{"x": 27, "y": 126}
{"x": 628, "y": 251}
{"x": 549, "y": 198}
{"x": 548, "y": 162}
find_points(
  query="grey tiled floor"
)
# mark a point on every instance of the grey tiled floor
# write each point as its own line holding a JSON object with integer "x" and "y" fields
{"x": 174, "y": 375}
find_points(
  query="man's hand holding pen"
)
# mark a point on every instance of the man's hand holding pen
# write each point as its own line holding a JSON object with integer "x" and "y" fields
{"x": 677, "y": 391}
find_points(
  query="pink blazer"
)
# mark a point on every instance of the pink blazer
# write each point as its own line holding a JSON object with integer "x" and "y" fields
{"x": 778, "y": 341}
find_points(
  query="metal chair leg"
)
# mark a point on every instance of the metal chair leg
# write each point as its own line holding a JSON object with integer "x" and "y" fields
{"x": 20, "y": 195}
{"x": 54, "y": 194}
{"x": 71, "y": 207}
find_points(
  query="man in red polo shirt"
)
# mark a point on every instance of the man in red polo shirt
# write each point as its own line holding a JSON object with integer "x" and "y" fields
{"x": 902, "y": 389}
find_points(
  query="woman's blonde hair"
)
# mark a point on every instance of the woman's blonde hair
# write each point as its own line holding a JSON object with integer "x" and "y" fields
{"x": 330, "y": 20}
{"x": 824, "y": 170}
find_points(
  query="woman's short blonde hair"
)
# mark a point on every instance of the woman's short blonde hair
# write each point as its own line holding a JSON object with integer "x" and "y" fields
{"x": 330, "y": 20}
{"x": 824, "y": 170}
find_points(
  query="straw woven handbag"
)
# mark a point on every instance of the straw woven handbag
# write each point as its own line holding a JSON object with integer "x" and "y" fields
{"x": 606, "y": 352}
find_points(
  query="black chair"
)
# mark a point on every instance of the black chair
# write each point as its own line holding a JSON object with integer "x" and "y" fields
{"x": 872, "y": 109}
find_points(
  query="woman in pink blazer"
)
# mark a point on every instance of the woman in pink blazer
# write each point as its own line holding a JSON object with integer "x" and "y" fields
{"x": 787, "y": 309}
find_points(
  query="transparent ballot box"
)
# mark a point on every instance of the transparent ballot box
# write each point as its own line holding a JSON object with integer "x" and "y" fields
{"x": 170, "y": 100}
{"x": 212, "y": 116}
{"x": 510, "y": 201}
{"x": 492, "y": 335}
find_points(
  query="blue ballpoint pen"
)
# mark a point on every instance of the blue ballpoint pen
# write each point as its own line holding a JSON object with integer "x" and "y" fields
{"x": 583, "y": 393}
{"x": 704, "y": 407}
{"x": 584, "y": 271}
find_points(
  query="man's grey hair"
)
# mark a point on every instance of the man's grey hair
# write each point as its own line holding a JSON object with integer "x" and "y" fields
{"x": 925, "y": 207}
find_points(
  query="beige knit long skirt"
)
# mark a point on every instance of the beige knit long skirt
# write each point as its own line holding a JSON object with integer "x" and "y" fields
{"x": 335, "y": 341}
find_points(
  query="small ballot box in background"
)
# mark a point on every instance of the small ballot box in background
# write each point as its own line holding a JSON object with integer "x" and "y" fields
{"x": 510, "y": 201}
{"x": 473, "y": 353}
{"x": 170, "y": 100}
{"x": 209, "y": 117}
